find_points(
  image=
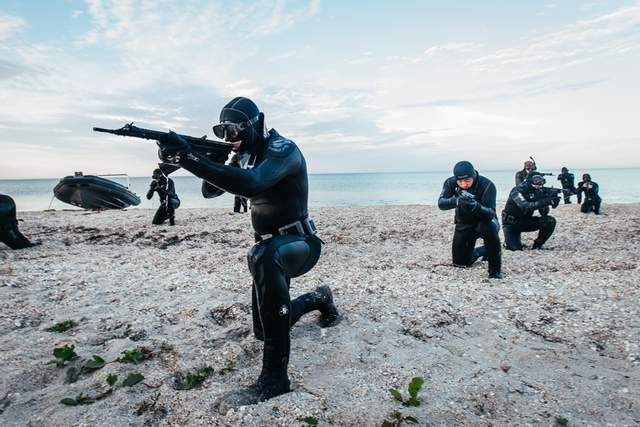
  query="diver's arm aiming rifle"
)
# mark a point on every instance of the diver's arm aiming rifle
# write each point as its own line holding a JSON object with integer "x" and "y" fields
{"x": 553, "y": 194}
{"x": 216, "y": 151}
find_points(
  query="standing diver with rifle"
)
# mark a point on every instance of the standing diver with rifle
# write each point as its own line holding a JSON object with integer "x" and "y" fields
{"x": 169, "y": 201}
{"x": 568, "y": 185}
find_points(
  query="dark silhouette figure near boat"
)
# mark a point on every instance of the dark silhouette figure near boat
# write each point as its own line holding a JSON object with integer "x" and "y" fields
{"x": 239, "y": 202}
{"x": 10, "y": 235}
{"x": 275, "y": 181}
{"x": 169, "y": 200}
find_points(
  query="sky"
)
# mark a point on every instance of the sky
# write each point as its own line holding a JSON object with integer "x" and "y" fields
{"x": 359, "y": 86}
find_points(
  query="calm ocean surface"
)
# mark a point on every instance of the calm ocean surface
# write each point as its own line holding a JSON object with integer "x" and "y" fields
{"x": 336, "y": 189}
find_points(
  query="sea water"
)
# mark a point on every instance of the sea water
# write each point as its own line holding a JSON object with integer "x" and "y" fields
{"x": 344, "y": 189}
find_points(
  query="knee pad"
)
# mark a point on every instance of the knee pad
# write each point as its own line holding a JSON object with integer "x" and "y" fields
{"x": 298, "y": 257}
{"x": 548, "y": 221}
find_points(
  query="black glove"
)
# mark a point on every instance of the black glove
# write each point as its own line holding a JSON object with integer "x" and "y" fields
{"x": 153, "y": 185}
{"x": 468, "y": 205}
{"x": 171, "y": 147}
{"x": 544, "y": 202}
{"x": 555, "y": 202}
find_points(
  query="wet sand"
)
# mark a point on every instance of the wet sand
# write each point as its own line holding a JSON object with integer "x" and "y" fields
{"x": 557, "y": 339}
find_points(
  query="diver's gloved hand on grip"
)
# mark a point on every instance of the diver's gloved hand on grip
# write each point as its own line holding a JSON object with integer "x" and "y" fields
{"x": 555, "y": 202}
{"x": 544, "y": 202}
{"x": 468, "y": 205}
{"x": 172, "y": 147}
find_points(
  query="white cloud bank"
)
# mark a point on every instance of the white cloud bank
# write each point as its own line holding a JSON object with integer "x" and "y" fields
{"x": 170, "y": 64}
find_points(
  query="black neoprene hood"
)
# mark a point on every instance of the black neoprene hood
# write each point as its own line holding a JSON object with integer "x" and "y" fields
{"x": 239, "y": 110}
{"x": 464, "y": 169}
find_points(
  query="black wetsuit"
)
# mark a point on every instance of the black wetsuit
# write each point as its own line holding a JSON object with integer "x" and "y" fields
{"x": 592, "y": 200}
{"x": 276, "y": 184}
{"x": 480, "y": 222}
{"x": 522, "y": 175}
{"x": 9, "y": 233}
{"x": 567, "y": 181}
{"x": 169, "y": 201}
{"x": 517, "y": 216}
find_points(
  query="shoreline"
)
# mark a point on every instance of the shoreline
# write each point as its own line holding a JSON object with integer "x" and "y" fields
{"x": 499, "y": 207}
{"x": 558, "y": 337}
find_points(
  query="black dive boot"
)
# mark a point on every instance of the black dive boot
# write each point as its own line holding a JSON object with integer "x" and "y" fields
{"x": 321, "y": 299}
{"x": 12, "y": 237}
{"x": 495, "y": 267}
{"x": 329, "y": 313}
{"x": 478, "y": 252}
{"x": 270, "y": 383}
{"x": 264, "y": 388}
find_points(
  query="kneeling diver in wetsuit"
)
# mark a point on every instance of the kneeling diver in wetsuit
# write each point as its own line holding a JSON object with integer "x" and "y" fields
{"x": 517, "y": 216}
{"x": 9, "y": 233}
{"x": 274, "y": 179}
{"x": 169, "y": 201}
{"x": 592, "y": 200}
{"x": 474, "y": 198}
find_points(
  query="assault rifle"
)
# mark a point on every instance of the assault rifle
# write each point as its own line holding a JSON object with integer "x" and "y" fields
{"x": 535, "y": 169}
{"x": 465, "y": 194}
{"x": 216, "y": 151}
{"x": 552, "y": 193}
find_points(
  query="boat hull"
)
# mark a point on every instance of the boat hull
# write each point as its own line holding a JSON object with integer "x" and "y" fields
{"x": 94, "y": 192}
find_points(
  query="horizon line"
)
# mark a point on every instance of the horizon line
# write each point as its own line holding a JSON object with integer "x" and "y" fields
{"x": 350, "y": 173}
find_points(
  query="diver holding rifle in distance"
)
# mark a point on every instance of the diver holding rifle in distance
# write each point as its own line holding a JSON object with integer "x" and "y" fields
{"x": 523, "y": 201}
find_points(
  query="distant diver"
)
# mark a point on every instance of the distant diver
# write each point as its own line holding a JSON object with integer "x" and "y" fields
{"x": 474, "y": 198}
{"x": 275, "y": 181}
{"x": 9, "y": 233}
{"x": 517, "y": 216}
{"x": 169, "y": 200}
{"x": 590, "y": 189}
{"x": 239, "y": 202}
{"x": 521, "y": 176}
{"x": 568, "y": 185}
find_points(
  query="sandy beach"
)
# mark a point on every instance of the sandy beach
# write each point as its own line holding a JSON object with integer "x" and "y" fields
{"x": 555, "y": 342}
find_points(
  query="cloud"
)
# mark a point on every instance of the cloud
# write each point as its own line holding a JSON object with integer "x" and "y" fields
{"x": 280, "y": 19}
{"x": 10, "y": 26}
{"x": 445, "y": 50}
{"x": 172, "y": 65}
{"x": 452, "y": 47}
{"x": 604, "y": 36}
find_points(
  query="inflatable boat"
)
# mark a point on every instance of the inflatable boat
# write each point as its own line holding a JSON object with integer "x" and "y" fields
{"x": 94, "y": 192}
